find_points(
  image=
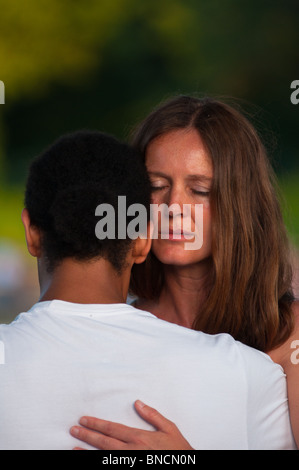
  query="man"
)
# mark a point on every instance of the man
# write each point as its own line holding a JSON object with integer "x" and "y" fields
{"x": 81, "y": 350}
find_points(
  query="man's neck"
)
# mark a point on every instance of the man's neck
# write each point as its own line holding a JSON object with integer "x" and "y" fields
{"x": 94, "y": 282}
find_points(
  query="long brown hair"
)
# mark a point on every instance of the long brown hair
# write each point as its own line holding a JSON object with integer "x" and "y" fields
{"x": 250, "y": 295}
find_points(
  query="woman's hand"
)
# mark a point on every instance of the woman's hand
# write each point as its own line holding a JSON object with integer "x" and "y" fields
{"x": 106, "y": 435}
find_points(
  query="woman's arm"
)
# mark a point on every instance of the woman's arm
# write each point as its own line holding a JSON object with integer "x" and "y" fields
{"x": 291, "y": 368}
{"x": 292, "y": 373}
{"x": 106, "y": 435}
{"x": 288, "y": 357}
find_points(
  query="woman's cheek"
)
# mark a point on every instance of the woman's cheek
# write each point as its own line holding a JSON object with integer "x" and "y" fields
{"x": 207, "y": 227}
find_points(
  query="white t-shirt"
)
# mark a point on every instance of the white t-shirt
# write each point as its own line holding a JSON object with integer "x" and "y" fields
{"x": 63, "y": 361}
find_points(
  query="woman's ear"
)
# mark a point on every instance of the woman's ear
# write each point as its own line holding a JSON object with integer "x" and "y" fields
{"x": 32, "y": 234}
{"x": 142, "y": 246}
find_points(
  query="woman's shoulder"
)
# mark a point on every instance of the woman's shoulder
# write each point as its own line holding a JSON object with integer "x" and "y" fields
{"x": 283, "y": 353}
{"x": 295, "y": 308}
{"x": 290, "y": 363}
{"x": 295, "y": 334}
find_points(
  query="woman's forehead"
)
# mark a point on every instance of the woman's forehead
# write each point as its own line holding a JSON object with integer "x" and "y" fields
{"x": 179, "y": 151}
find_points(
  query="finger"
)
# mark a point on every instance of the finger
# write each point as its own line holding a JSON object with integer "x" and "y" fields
{"x": 109, "y": 428}
{"x": 152, "y": 416}
{"x": 95, "y": 439}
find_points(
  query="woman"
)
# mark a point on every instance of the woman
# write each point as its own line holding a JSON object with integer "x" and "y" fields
{"x": 203, "y": 151}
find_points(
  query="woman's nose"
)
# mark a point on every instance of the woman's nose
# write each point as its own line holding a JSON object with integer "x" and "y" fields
{"x": 177, "y": 197}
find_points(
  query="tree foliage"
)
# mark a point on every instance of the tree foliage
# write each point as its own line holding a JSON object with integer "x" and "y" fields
{"x": 106, "y": 63}
{"x": 43, "y": 41}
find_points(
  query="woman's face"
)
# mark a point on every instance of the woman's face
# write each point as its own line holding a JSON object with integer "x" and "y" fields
{"x": 181, "y": 172}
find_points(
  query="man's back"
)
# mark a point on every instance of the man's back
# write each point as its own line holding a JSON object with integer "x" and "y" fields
{"x": 66, "y": 360}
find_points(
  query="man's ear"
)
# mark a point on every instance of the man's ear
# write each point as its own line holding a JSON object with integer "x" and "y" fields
{"x": 142, "y": 246}
{"x": 32, "y": 234}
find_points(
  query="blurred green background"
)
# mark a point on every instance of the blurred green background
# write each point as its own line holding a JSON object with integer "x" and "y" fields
{"x": 104, "y": 64}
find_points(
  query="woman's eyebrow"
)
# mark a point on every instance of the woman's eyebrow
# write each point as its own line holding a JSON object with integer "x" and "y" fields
{"x": 158, "y": 173}
{"x": 199, "y": 177}
{"x": 203, "y": 178}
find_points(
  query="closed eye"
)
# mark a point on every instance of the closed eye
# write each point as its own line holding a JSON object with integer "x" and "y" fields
{"x": 201, "y": 193}
{"x": 158, "y": 188}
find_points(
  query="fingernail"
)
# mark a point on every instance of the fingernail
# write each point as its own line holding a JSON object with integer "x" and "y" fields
{"x": 83, "y": 421}
{"x": 75, "y": 431}
{"x": 140, "y": 403}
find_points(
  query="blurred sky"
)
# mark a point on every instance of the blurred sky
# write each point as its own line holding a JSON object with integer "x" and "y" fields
{"x": 104, "y": 64}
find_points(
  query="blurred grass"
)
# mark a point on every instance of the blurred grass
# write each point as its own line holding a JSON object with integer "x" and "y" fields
{"x": 289, "y": 185}
{"x": 11, "y": 205}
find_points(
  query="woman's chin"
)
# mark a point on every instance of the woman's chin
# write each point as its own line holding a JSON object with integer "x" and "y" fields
{"x": 176, "y": 254}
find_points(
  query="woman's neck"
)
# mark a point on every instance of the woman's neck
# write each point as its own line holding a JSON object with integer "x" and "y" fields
{"x": 183, "y": 293}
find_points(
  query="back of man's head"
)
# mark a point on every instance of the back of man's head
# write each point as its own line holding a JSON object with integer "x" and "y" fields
{"x": 68, "y": 181}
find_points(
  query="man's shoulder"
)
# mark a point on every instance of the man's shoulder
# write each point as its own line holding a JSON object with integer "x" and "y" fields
{"x": 255, "y": 356}
{"x": 6, "y": 329}
{"x": 222, "y": 346}
{"x": 21, "y": 330}
{"x": 228, "y": 353}
{"x": 264, "y": 377}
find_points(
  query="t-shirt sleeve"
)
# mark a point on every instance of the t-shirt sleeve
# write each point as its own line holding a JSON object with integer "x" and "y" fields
{"x": 268, "y": 423}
